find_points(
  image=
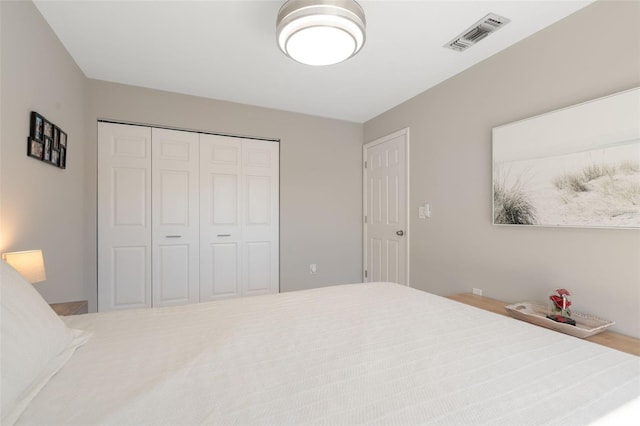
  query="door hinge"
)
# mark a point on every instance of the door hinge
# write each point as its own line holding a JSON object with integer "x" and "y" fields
{"x": 365, "y": 273}
{"x": 365, "y": 219}
{"x": 365, "y": 164}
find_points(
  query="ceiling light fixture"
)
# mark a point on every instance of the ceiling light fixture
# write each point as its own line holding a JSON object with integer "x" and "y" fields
{"x": 320, "y": 32}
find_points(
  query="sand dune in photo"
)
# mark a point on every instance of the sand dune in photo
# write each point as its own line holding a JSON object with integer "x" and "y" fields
{"x": 592, "y": 188}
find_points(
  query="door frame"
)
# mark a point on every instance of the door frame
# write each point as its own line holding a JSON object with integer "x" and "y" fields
{"x": 402, "y": 132}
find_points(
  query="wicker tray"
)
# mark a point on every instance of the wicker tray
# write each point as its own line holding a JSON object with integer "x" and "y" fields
{"x": 586, "y": 325}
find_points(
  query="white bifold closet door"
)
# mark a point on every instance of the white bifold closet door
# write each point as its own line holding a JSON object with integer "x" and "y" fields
{"x": 239, "y": 219}
{"x": 184, "y": 217}
{"x": 124, "y": 216}
{"x": 175, "y": 217}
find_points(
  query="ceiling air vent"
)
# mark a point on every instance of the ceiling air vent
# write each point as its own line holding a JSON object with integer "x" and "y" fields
{"x": 477, "y": 32}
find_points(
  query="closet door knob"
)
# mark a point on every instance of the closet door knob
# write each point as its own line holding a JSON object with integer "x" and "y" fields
{"x": 173, "y": 236}
{"x": 224, "y": 235}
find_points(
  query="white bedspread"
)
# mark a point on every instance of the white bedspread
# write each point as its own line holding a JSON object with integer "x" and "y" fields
{"x": 354, "y": 354}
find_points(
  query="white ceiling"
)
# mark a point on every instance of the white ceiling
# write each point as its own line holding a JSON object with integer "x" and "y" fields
{"x": 226, "y": 49}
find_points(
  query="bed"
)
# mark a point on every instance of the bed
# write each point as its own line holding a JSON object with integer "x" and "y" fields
{"x": 376, "y": 353}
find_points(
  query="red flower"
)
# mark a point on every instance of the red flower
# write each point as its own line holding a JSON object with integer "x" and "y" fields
{"x": 557, "y": 300}
{"x": 562, "y": 291}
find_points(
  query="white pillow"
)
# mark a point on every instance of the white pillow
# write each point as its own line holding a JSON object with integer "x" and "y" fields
{"x": 35, "y": 343}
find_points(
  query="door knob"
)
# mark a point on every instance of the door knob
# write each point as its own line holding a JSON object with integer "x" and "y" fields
{"x": 400, "y": 233}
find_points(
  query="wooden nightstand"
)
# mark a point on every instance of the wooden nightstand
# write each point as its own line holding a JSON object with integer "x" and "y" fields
{"x": 70, "y": 308}
{"x": 617, "y": 341}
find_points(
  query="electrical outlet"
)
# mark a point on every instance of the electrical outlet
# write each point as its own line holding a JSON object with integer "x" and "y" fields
{"x": 313, "y": 268}
{"x": 477, "y": 291}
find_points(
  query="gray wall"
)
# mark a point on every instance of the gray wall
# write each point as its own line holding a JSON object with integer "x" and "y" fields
{"x": 451, "y": 124}
{"x": 41, "y": 206}
{"x": 320, "y": 174}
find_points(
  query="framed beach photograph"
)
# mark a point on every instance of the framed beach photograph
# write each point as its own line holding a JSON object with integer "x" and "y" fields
{"x": 575, "y": 167}
{"x": 37, "y": 126}
{"x": 63, "y": 139}
{"x": 35, "y": 148}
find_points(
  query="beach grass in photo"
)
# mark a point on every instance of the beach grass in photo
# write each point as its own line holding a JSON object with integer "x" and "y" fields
{"x": 511, "y": 204}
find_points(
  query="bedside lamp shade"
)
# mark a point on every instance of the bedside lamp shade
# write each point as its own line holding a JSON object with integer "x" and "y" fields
{"x": 30, "y": 264}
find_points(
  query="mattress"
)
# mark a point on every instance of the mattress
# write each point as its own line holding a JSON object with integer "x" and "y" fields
{"x": 375, "y": 353}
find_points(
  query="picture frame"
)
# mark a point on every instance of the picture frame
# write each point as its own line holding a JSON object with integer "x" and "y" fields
{"x": 574, "y": 167}
{"x": 37, "y": 126}
{"x": 46, "y": 153}
{"x": 35, "y": 148}
{"x": 56, "y": 137}
{"x": 55, "y": 157}
{"x": 63, "y": 158}
{"x": 47, "y": 142}
{"x": 48, "y": 129}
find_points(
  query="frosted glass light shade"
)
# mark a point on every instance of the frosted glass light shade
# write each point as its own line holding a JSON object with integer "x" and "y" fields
{"x": 320, "y": 32}
{"x": 30, "y": 264}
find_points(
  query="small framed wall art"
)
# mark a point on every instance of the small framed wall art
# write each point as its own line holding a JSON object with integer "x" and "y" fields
{"x": 47, "y": 142}
{"x": 37, "y": 126}
{"x": 35, "y": 149}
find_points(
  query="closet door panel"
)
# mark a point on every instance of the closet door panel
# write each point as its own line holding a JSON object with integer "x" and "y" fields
{"x": 175, "y": 187}
{"x": 221, "y": 261}
{"x": 258, "y": 189}
{"x": 220, "y": 217}
{"x": 174, "y": 192}
{"x": 129, "y": 271}
{"x": 258, "y": 255}
{"x": 224, "y": 199}
{"x": 260, "y": 169}
{"x": 173, "y": 266}
{"x": 129, "y": 196}
{"x": 124, "y": 216}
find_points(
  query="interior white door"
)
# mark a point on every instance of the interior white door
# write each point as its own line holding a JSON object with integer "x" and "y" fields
{"x": 175, "y": 201}
{"x": 124, "y": 216}
{"x": 220, "y": 221}
{"x": 386, "y": 233}
{"x": 260, "y": 229}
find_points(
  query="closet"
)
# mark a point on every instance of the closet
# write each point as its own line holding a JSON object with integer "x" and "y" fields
{"x": 184, "y": 217}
